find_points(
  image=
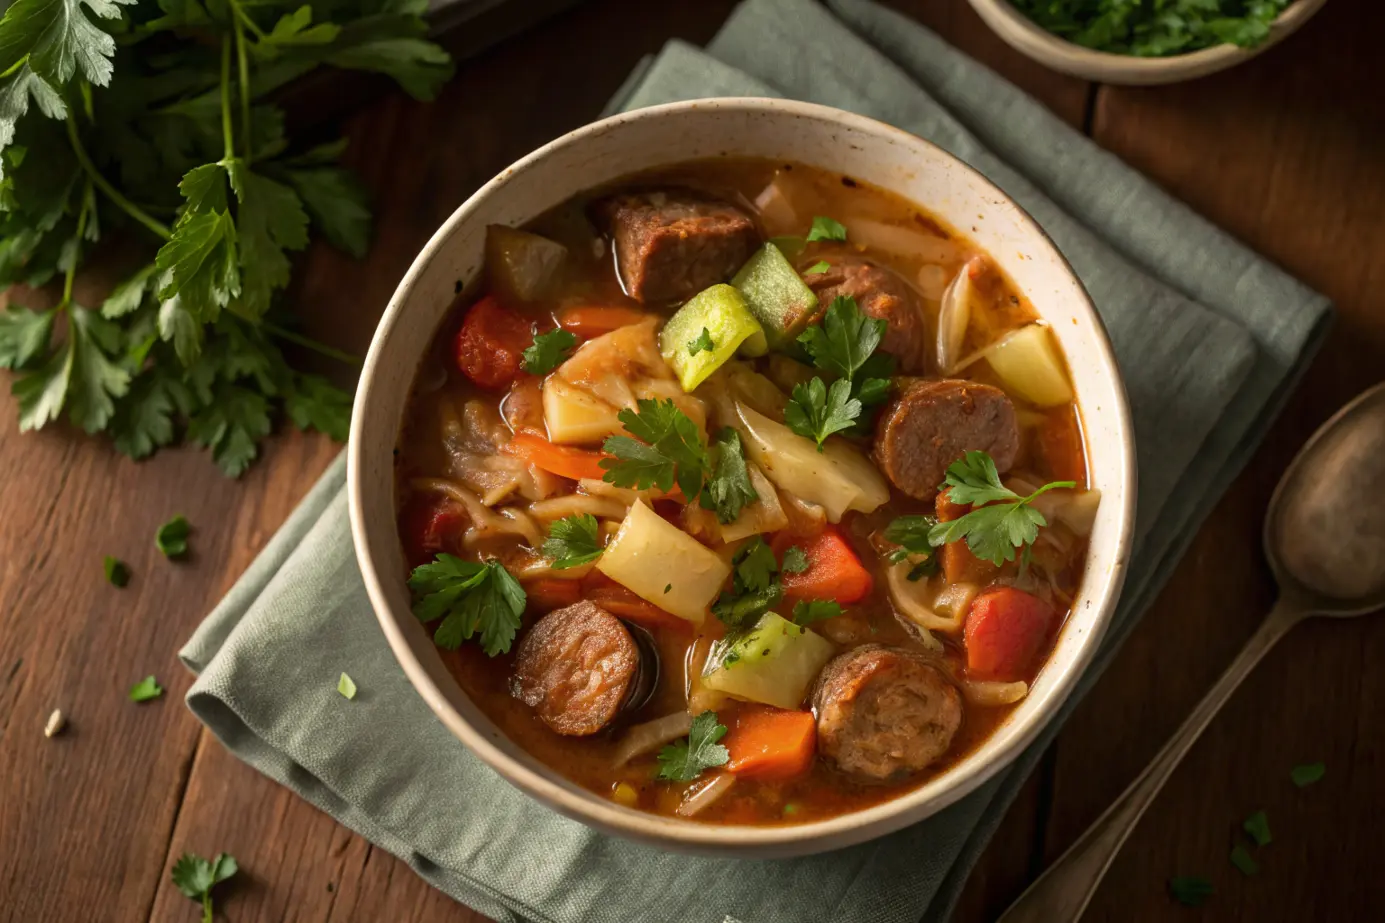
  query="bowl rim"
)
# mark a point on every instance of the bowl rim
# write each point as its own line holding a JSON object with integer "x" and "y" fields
{"x": 1027, "y": 36}
{"x": 691, "y": 836}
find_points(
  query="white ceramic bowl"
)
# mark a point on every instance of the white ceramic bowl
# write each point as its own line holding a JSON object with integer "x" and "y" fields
{"x": 770, "y": 128}
{"x": 1020, "y": 33}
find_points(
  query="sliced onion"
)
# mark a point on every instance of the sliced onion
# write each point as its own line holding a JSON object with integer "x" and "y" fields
{"x": 650, "y": 736}
{"x": 954, "y": 600}
{"x": 953, "y": 317}
{"x": 1079, "y": 514}
{"x": 904, "y": 241}
{"x": 909, "y": 599}
{"x": 577, "y": 505}
{"x": 993, "y": 693}
{"x": 707, "y": 795}
{"x": 776, "y": 209}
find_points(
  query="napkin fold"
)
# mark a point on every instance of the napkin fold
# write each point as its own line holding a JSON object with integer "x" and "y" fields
{"x": 1209, "y": 337}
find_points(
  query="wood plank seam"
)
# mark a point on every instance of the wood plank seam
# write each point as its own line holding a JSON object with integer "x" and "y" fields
{"x": 185, "y": 772}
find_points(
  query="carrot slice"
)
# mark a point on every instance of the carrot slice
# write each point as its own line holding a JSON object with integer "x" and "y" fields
{"x": 622, "y": 602}
{"x": 770, "y": 743}
{"x": 1005, "y": 631}
{"x": 589, "y": 321}
{"x": 489, "y": 348}
{"x": 959, "y": 564}
{"x": 552, "y": 593}
{"x": 834, "y": 571}
{"x": 563, "y": 460}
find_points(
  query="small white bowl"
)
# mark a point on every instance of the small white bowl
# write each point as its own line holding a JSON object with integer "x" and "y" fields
{"x": 1022, "y": 34}
{"x": 782, "y": 130}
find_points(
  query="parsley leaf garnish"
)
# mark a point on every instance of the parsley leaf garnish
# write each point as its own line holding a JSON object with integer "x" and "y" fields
{"x": 992, "y": 532}
{"x": 56, "y": 39}
{"x": 1191, "y": 891}
{"x": 117, "y": 574}
{"x": 146, "y": 689}
{"x": 1257, "y": 826}
{"x": 754, "y": 587}
{"x": 816, "y": 411}
{"x": 805, "y": 612}
{"x": 195, "y": 877}
{"x": 1240, "y": 857}
{"x": 701, "y": 343}
{"x": 346, "y": 686}
{"x": 729, "y": 489}
{"x": 911, "y": 533}
{"x": 669, "y": 450}
{"x": 548, "y": 352}
{"x": 172, "y": 537}
{"x": 826, "y": 229}
{"x": 795, "y": 560}
{"x": 817, "y": 268}
{"x": 573, "y": 541}
{"x": 1307, "y": 774}
{"x": 471, "y": 599}
{"x": 846, "y": 338}
{"x": 685, "y": 760}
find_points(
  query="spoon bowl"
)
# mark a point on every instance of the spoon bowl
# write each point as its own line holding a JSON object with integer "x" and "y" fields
{"x": 1325, "y": 531}
{"x": 1325, "y": 540}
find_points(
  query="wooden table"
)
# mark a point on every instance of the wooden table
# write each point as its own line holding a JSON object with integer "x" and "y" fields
{"x": 1287, "y": 153}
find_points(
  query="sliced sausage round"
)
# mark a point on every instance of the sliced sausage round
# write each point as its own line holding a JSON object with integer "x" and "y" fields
{"x": 879, "y": 292}
{"x": 575, "y": 668}
{"x": 932, "y": 423}
{"x": 670, "y": 244}
{"x": 884, "y": 712}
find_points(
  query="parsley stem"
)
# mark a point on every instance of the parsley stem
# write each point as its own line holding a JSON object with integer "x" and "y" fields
{"x": 226, "y": 135}
{"x": 70, "y": 273}
{"x": 321, "y": 349}
{"x": 112, "y": 193}
{"x": 243, "y": 72}
{"x": 249, "y": 23}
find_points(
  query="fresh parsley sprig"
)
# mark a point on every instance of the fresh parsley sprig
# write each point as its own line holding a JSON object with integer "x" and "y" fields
{"x": 573, "y": 541}
{"x": 911, "y": 534}
{"x": 686, "y": 759}
{"x": 667, "y": 448}
{"x": 196, "y": 877}
{"x": 755, "y": 587}
{"x": 843, "y": 346}
{"x": 808, "y": 611}
{"x": 729, "y": 489}
{"x": 1000, "y": 522}
{"x": 548, "y": 351}
{"x": 471, "y": 599}
{"x": 186, "y": 160}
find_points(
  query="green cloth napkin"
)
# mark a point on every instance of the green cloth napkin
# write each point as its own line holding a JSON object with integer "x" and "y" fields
{"x": 1209, "y": 336}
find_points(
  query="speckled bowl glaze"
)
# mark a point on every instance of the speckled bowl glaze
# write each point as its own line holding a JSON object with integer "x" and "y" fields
{"x": 777, "y": 129}
{"x": 1020, "y": 33}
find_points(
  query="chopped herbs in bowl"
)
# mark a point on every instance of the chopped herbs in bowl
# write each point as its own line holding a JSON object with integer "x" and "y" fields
{"x": 1143, "y": 41}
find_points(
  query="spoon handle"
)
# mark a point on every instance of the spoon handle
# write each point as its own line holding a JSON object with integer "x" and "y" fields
{"x": 1063, "y": 891}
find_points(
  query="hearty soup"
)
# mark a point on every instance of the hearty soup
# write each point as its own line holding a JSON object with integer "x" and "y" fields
{"x": 744, "y": 492}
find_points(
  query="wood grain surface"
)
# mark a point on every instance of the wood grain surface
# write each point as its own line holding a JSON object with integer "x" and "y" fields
{"x": 1287, "y": 152}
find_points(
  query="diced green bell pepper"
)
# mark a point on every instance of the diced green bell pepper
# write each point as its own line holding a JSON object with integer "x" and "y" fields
{"x": 773, "y": 663}
{"x": 721, "y": 311}
{"x": 780, "y": 300}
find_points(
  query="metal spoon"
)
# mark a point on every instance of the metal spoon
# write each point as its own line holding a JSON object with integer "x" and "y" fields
{"x": 1325, "y": 540}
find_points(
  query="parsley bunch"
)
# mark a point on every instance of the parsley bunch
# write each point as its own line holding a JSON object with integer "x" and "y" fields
{"x": 1155, "y": 29}
{"x": 149, "y": 123}
{"x": 844, "y": 346}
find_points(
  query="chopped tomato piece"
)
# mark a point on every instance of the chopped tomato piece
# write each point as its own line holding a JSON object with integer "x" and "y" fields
{"x": 770, "y": 743}
{"x": 553, "y": 593}
{"x": 430, "y": 525}
{"x": 489, "y": 348}
{"x": 589, "y": 321}
{"x": 834, "y": 571}
{"x": 623, "y": 603}
{"x": 1006, "y": 630}
{"x": 562, "y": 460}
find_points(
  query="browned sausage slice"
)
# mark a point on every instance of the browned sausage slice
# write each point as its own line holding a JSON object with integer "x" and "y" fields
{"x": 672, "y": 243}
{"x": 575, "y": 668}
{"x": 931, "y": 423}
{"x": 879, "y": 292}
{"x": 884, "y": 712}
